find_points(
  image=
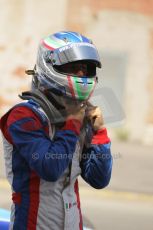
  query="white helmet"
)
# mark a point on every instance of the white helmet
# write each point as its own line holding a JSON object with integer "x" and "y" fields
{"x": 54, "y": 53}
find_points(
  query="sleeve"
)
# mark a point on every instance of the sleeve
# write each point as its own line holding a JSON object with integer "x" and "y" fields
{"x": 96, "y": 163}
{"x": 47, "y": 158}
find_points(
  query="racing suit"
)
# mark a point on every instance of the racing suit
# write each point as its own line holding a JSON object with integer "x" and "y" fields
{"x": 42, "y": 165}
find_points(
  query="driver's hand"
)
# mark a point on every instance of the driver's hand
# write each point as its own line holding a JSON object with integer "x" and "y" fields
{"x": 94, "y": 114}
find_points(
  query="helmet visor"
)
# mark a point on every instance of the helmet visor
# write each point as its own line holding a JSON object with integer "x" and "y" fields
{"x": 76, "y": 52}
{"x": 79, "y": 68}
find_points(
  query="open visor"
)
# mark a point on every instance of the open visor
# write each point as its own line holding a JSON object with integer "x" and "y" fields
{"x": 75, "y": 52}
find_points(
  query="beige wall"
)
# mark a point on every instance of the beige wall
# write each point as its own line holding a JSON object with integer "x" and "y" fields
{"x": 118, "y": 27}
{"x": 22, "y": 24}
{"x": 124, "y": 32}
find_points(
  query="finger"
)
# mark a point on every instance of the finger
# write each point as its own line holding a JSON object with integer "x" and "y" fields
{"x": 89, "y": 103}
{"x": 94, "y": 112}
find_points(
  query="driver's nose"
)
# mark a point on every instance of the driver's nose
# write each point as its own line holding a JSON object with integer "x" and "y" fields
{"x": 81, "y": 73}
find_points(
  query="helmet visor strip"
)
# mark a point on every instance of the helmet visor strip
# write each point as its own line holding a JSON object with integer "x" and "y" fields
{"x": 75, "y": 52}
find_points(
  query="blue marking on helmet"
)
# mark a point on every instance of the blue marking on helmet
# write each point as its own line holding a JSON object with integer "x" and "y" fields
{"x": 84, "y": 81}
{"x": 71, "y": 36}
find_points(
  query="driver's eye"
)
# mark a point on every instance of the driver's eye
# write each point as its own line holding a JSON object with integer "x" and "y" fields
{"x": 77, "y": 68}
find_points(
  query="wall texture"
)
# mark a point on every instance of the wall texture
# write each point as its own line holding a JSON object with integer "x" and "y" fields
{"x": 123, "y": 28}
{"x": 23, "y": 23}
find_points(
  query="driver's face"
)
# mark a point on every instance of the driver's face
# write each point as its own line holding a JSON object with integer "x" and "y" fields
{"x": 75, "y": 69}
{"x": 78, "y": 69}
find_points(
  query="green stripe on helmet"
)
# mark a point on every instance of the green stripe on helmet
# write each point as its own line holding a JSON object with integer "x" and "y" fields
{"x": 83, "y": 95}
{"x": 52, "y": 43}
